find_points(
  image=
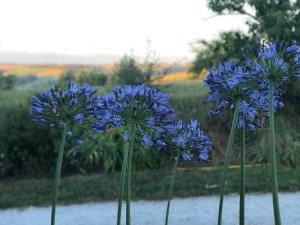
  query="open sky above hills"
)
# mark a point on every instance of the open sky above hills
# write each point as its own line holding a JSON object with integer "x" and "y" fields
{"x": 56, "y": 30}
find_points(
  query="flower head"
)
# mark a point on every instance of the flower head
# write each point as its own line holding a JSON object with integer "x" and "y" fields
{"x": 277, "y": 63}
{"x": 272, "y": 63}
{"x": 293, "y": 53}
{"x": 228, "y": 83}
{"x": 142, "y": 107}
{"x": 191, "y": 141}
{"x": 74, "y": 105}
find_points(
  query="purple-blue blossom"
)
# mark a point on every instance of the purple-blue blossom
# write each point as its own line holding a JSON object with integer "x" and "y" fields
{"x": 228, "y": 83}
{"x": 293, "y": 52}
{"x": 277, "y": 63}
{"x": 191, "y": 141}
{"x": 74, "y": 105}
{"x": 142, "y": 107}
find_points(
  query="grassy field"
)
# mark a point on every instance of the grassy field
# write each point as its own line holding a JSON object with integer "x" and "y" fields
{"x": 187, "y": 90}
{"x": 179, "y": 78}
{"x": 152, "y": 185}
{"x": 39, "y": 71}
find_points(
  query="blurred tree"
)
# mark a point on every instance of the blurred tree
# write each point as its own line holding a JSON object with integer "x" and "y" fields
{"x": 25, "y": 79}
{"x": 274, "y": 20}
{"x": 92, "y": 77}
{"x": 66, "y": 77}
{"x": 228, "y": 46}
{"x": 149, "y": 67}
{"x": 7, "y": 82}
{"x": 128, "y": 71}
{"x": 270, "y": 19}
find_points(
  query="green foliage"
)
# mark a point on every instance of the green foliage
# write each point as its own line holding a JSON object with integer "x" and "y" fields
{"x": 107, "y": 154}
{"x": 128, "y": 71}
{"x": 29, "y": 149}
{"x": 93, "y": 78}
{"x": 270, "y": 20}
{"x": 21, "y": 80}
{"x": 276, "y": 20}
{"x": 24, "y": 148}
{"x": 221, "y": 6}
{"x": 7, "y": 82}
{"x": 288, "y": 144}
{"x": 66, "y": 77}
{"x": 273, "y": 20}
{"x": 229, "y": 46}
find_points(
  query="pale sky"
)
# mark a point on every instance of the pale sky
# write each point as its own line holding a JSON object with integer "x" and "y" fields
{"x": 89, "y": 27}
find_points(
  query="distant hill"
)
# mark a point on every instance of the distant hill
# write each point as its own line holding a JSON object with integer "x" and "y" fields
{"x": 61, "y": 59}
{"x": 165, "y": 74}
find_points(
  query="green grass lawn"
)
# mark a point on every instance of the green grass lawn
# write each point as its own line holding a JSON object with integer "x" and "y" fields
{"x": 150, "y": 185}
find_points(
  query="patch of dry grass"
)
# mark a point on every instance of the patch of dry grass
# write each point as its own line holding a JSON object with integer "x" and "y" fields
{"x": 180, "y": 77}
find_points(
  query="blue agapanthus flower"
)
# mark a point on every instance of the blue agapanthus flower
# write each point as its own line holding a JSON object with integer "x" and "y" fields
{"x": 142, "y": 107}
{"x": 272, "y": 63}
{"x": 277, "y": 63}
{"x": 191, "y": 141}
{"x": 75, "y": 105}
{"x": 293, "y": 52}
{"x": 227, "y": 83}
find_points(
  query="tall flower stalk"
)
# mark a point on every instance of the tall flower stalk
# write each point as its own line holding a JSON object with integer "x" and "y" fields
{"x": 128, "y": 191}
{"x": 58, "y": 173}
{"x": 147, "y": 118}
{"x": 230, "y": 87}
{"x": 191, "y": 144}
{"x": 277, "y": 64}
{"x": 122, "y": 182}
{"x": 242, "y": 176}
{"x": 171, "y": 188}
{"x": 227, "y": 160}
{"x": 273, "y": 158}
{"x": 64, "y": 109}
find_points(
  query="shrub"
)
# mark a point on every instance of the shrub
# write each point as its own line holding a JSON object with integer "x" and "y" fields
{"x": 67, "y": 77}
{"x": 25, "y": 149}
{"x": 107, "y": 155}
{"x": 93, "y": 78}
{"x": 128, "y": 71}
{"x": 7, "y": 82}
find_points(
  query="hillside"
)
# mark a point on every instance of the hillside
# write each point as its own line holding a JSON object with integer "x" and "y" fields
{"x": 166, "y": 74}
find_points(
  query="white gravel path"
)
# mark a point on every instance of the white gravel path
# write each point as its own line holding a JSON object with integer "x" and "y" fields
{"x": 188, "y": 211}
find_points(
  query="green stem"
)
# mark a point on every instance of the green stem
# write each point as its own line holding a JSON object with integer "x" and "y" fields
{"x": 273, "y": 157}
{"x": 242, "y": 178}
{"x": 58, "y": 173}
{"x": 122, "y": 182}
{"x": 131, "y": 141}
{"x": 227, "y": 159}
{"x": 172, "y": 187}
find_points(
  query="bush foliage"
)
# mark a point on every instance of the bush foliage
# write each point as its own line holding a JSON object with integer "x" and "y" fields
{"x": 29, "y": 149}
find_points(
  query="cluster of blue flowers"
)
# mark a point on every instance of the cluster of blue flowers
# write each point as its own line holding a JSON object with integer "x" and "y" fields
{"x": 191, "y": 141}
{"x": 142, "y": 108}
{"x": 227, "y": 83}
{"x": 249, "y": 83}
{"x": 76, "y": 105}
